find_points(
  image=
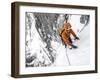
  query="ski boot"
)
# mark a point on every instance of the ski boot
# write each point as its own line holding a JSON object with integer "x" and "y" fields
{"x": 73, "y": 46}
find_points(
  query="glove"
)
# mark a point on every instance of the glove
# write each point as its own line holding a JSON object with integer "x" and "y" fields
{"x": 77, "y": 38}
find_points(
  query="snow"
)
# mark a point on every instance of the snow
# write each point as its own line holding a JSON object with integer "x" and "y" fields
{"x": 61, "y": 59}
{"x": 35, "y": 44}
{"x": 79, "y": 56}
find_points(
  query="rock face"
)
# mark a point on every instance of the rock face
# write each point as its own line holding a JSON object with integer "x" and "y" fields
{"x": 42, "y": 40}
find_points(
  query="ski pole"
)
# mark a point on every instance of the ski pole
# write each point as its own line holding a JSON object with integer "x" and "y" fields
{"x": 67, "y": 57}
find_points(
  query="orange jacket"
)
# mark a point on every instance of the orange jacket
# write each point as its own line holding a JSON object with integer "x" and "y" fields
{"x": 66, "y": 33}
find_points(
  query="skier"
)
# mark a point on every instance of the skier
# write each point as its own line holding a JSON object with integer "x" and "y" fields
{"x": 66, "y": 34}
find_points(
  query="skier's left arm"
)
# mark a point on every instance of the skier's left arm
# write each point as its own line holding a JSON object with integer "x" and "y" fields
{"x": 73, "y": 33}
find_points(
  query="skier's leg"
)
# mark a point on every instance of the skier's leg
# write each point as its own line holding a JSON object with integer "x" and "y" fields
{"x": 69, "y": 43}
{"x": 70, "y": 40}
{"x": 73, "y": 46}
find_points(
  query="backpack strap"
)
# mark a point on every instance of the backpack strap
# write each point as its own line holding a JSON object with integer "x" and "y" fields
{"x": 62, "y": 31}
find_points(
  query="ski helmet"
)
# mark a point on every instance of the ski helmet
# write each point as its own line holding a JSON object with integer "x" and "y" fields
{"x": 66, "y": 16}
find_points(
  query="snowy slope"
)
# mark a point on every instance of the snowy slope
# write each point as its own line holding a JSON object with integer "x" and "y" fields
{"x": 79, "y": 56}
